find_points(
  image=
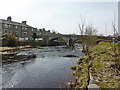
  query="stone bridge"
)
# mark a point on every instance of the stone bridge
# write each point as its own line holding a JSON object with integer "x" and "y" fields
{"x": 68, "y": 39}
{"x": 71, "y": 39}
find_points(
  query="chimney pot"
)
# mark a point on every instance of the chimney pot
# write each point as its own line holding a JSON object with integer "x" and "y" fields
{"x": 9, "y": 18}
{"x": 24, "y": 22}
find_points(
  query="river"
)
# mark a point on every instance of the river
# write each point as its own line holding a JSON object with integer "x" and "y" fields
{"x": 48, "y": 70}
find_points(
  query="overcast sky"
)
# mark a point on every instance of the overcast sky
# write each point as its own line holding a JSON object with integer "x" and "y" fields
{"x": 61, "y": 15}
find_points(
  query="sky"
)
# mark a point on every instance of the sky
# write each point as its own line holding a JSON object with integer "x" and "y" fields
{"x": 62, "y": 16}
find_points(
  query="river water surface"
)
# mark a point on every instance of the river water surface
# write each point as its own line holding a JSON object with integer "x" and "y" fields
{"x": 48, "y": 70}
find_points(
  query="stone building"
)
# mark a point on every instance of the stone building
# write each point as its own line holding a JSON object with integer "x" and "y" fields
{"x": 21, "y": 30}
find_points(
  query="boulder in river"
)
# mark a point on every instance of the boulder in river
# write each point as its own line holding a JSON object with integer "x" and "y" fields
{"x": 31, "y": 56}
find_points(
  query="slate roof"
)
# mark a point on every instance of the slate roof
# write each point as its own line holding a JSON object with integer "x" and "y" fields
{"x": 14, "y": 23}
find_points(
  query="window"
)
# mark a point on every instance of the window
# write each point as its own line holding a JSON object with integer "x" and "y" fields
{"x": 23, "y": 28}
{"x": 5, "y": 25}
{"x": 35, "y": 29}
{"x": 25, "y": 33}
{"x": 9, "y": 25}
{"x": 15, "y": 32}
{"x": 16, "y": 27}
{"x": 26, "y": 38}
{"x": 5, "y": 31}
{"x": 39, "y": 33}
{"x": 32, "y": 29}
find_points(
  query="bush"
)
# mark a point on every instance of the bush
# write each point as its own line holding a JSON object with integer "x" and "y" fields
{"x": 9, "y": 39}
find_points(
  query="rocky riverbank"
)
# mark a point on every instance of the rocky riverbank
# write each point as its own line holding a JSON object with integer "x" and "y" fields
{"x": 14, "y": 49}
{"x": 102, "y": 64}
{"x": 10, "y": 54}
{"x": 14, "y": 57}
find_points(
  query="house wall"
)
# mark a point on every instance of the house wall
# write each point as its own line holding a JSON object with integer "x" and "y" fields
{"x": 21, "y": 30}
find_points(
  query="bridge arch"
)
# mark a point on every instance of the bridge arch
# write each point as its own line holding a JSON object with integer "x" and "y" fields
{"x": 77, "y": 40}
{"x": 56, "y": 41}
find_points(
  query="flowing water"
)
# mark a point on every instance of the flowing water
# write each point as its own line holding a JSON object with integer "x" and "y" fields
{"x": 48, "y": 70}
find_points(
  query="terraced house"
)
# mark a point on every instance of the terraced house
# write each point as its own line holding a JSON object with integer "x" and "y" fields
{"x": 21, "y": 30}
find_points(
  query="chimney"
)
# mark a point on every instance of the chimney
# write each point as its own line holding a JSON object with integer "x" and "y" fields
{"x": 9, "y": 18}
{"x": 43, "y": 29}
{"x": 48, "y": 30}
{"x": 24, "y": 22}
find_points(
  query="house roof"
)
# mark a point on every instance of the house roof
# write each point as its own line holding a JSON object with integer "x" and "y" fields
{"x": 14, "y": 23}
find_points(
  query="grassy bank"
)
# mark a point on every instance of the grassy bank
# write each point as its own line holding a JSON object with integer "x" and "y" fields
{"x": 104, "y": 65}
{"x": 4, "y": 49}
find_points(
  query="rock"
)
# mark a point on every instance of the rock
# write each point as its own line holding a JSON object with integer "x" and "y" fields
{"x": 71, "y": 84}
{"x": 9, "y": 58}
{"x": 58, "y": 50}
{"x": 22, "y": 62}
{"x": 70, "y": 56}
{"x": 74, "y": 72}
{"x": 73, "y": 68}
{"x": 80, "y": 61}
{"x": 31, "y": 56}
{"x": 103, "y": 52}
{"x": 7, "y": 55}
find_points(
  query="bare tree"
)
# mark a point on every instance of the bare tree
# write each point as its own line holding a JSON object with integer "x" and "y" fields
{"x": 115, "y": 30}
{"x": 86, "y": 29}
{"x": 86, "y": 32}
{"x": 81, "y": 25}
{"x": 90, "y": 30}
{"x": 90, "y": 39}
{"x": 114, "y": 27}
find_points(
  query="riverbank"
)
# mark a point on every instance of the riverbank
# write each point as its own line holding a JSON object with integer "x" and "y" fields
{"x": 10, "y": 54}
{"x": 13, "y": 49}
{"x": 102, "y": 64}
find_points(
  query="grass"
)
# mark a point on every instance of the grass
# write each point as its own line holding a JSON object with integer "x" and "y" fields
{"x": 82, "y": 73}
{"x": 13, "y": 48}
{"x": 104, "y": 67}
{"x": 5, "y": 48}
{"x": 101, "y": 65}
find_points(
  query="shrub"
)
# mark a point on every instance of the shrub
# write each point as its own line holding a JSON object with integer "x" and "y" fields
{"x": 9, "y": 39}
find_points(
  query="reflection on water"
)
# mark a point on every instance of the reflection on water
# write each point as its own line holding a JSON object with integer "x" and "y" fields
{"x": 49, "y": 70}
